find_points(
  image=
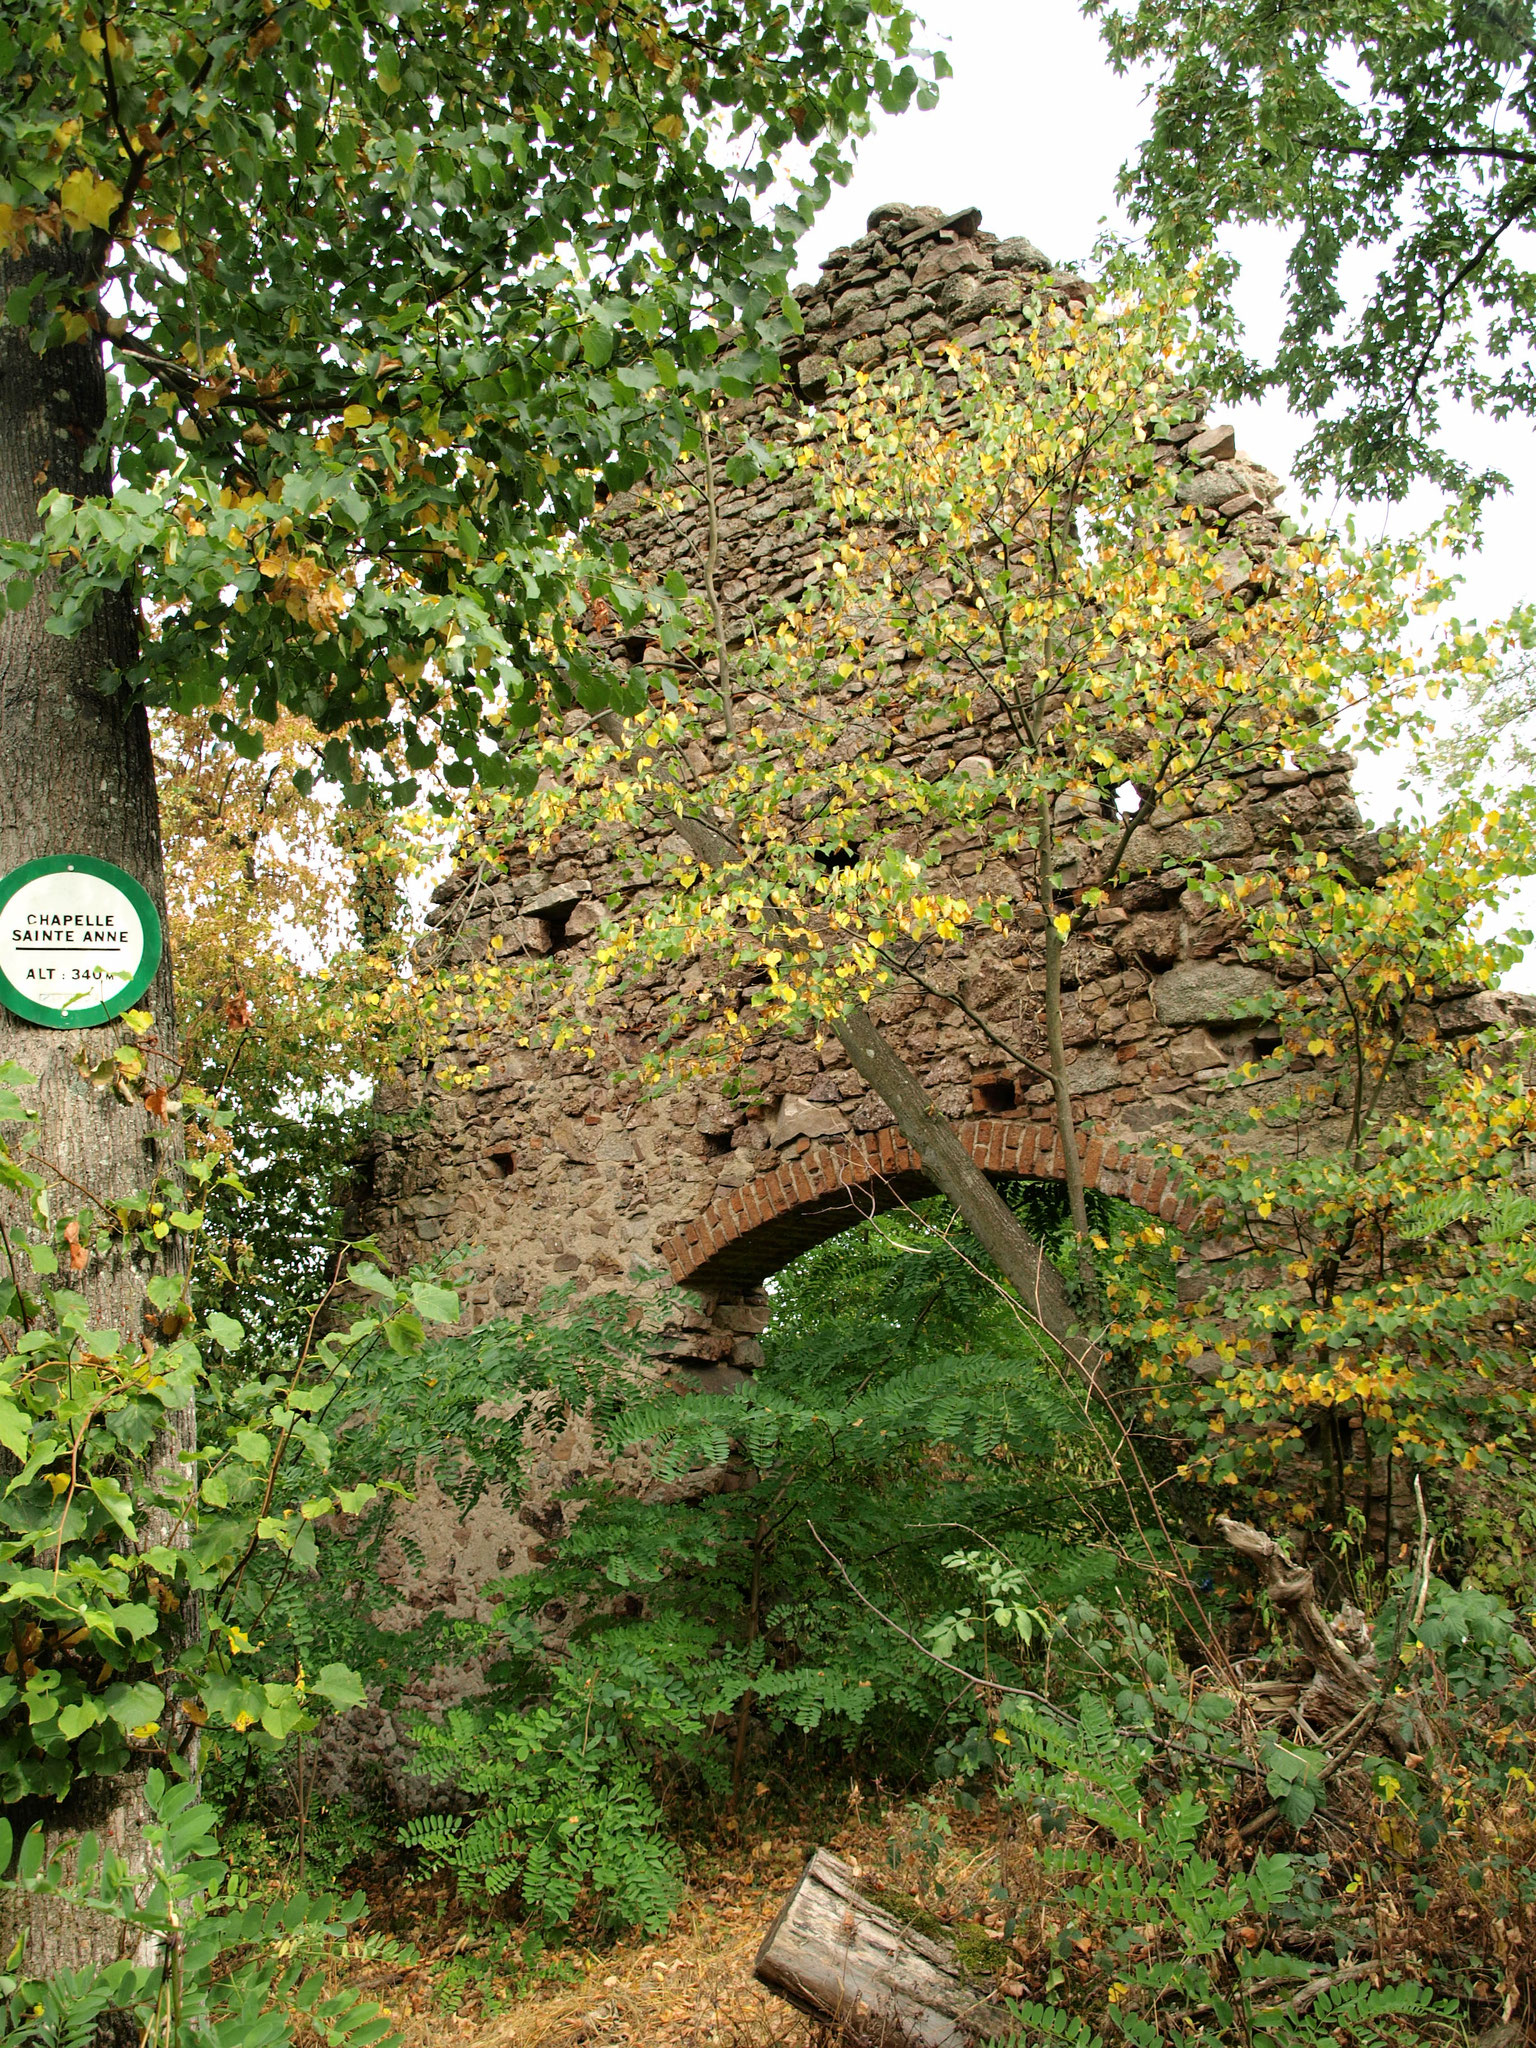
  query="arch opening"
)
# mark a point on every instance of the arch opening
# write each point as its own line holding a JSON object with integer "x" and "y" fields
{"x": 743, "y": 1238}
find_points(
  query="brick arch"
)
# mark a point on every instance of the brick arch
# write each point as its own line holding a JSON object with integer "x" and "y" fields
{"x": 756, "y": 1230}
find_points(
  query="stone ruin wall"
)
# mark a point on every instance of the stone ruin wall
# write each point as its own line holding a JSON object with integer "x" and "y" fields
{"x": 559, "y": 1173}
{"x": 564, "y": 1176}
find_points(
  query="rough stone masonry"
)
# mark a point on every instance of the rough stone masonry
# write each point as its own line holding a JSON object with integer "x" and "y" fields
{"x": 558, "y": 1172}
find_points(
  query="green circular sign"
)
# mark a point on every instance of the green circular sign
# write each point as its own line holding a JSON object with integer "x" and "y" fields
{"x": 79, "y": 942}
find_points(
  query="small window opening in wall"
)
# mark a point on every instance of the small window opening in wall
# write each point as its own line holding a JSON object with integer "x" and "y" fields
{"x": 994, "y": 1094}
{"x": 502, "y": 1162}
{"x": 716, "y": 1142}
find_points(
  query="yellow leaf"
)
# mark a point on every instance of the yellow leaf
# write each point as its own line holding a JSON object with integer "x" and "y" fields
{"x": 356, "y": 416}
{"x": 167, "y": 239}
{"x": 91, "y": 42}
{"x": 1062, "y": 922}
{"x": 88, "y": 201}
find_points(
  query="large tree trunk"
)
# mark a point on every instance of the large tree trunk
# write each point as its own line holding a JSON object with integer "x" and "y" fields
{"x": 867, "y": 1978}
{"x": 76, "y": 776}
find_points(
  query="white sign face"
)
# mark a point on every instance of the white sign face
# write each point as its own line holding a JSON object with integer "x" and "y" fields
{"x": 72, "y": 944}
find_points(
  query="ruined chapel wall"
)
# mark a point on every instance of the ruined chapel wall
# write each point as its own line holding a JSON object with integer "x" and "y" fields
{"x": 559, "y": 1171}
{"x": 561, "y": 1174}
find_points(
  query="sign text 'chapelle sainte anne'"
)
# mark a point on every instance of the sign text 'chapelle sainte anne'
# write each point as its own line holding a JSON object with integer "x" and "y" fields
{"x": 79, "y": 942}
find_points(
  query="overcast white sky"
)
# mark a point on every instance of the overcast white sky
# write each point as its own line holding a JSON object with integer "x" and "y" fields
{"x": 1033, "y": 128}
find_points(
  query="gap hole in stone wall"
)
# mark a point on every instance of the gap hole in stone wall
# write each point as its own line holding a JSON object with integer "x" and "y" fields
{"x": 995, "y": 1094}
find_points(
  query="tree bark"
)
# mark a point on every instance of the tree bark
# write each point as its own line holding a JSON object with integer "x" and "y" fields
{"x": 834, "y": 1954}
{"x": 1061, "y": 1087}
{"x": 76, "y": 776}
{"x": 954, "y": 1173}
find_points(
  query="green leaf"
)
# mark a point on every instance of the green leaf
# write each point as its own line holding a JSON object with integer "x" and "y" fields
{"x": 405, "y": 1334}
{"x": 339, "y": 1684}
{"x": 76, "y": 1718}
{"x": 233, "y": 1700}
{"x": 117, "y": 1503}
{"x": 372, "y": 1279}
{"x": 436, "y": 1304}
{"x": 283, "y": 1713}
{"x": 225, "y": 1331}
{"x": 136, "y": 1619}
{"x": 15, "y": 1429}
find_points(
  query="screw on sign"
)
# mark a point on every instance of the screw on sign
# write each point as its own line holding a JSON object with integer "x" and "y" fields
{"x": 79, "y": 942}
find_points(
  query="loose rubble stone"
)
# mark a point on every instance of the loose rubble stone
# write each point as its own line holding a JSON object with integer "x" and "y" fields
{"x": 798, "y": 1117}
{"x": 553, "y": 903}
{"x": 1467, "y": 1014}
{"x": 1215, "y": 444}
{"x": 529, "y": 935}
{"x": 1019, "y": 253}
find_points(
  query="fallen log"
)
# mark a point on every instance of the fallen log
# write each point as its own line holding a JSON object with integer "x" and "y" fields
{"x": 837, "y": 1956}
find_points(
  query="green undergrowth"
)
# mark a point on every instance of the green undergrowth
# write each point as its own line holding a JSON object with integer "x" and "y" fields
{"x": 902, "y": 1560}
